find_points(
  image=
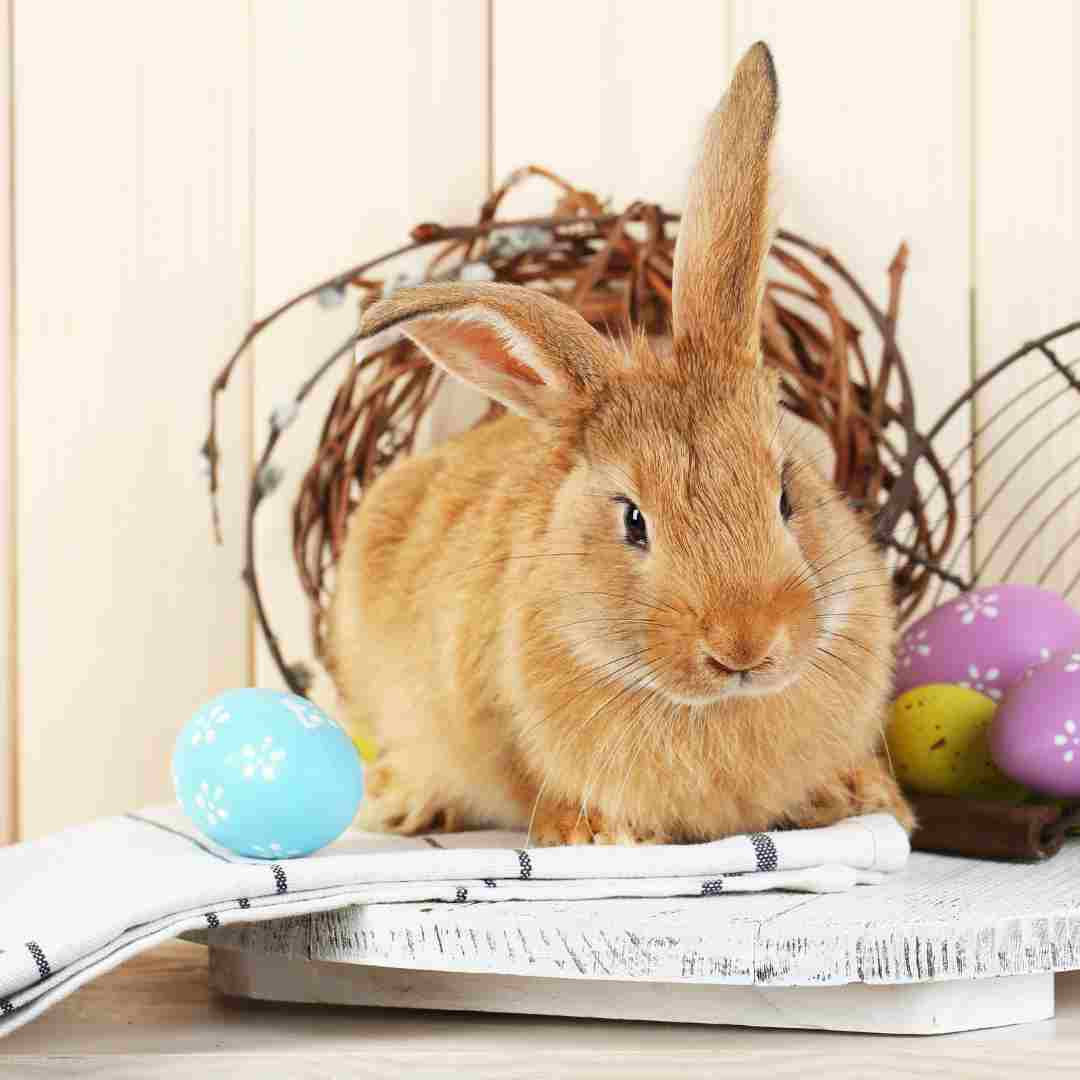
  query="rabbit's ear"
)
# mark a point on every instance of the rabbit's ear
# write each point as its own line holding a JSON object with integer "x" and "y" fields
{"x": 726, "y": 229}
{"x": 534, "y": 354}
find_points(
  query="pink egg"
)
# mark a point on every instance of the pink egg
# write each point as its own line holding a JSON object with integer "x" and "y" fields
{"x": 1035, "y": 733}
{"x": 986, "y": 639}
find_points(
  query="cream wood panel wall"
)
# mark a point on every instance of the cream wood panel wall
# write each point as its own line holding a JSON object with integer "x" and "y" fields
{"x": 611, "y": 95}
{"x": 133, "y": 269}
{"x": 7, "y": 475}
{"x": 867, "y": 155}
{"x": 1027, "y": 212}
{"x": 875, "y": 148}
{"x": 369, "y": 118}
{"x": 178, "y": 171}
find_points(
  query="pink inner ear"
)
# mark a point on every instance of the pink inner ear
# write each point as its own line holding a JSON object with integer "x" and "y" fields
{"x": 472, "y": 349}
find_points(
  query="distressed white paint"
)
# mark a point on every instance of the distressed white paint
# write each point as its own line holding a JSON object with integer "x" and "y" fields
{"x": 913, "y": 1009}
{"x": 942, "y": 919}
{"x": 948, "y": 945}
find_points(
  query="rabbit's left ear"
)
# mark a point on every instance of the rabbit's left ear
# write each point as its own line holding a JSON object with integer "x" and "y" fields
{"x": 727, "y": 228}
{"x": 534, "y": 354}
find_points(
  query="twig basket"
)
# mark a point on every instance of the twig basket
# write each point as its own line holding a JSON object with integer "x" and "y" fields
{"x": 615, "y": 268}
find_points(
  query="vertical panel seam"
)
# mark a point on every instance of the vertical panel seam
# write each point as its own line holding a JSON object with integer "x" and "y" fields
{"x": 12, "y": 674}
{"x": 250, "y": 643}
{"x": 489, "y": 104}
{"x": 973, "y": 263}
{"x": 730, "y": 45}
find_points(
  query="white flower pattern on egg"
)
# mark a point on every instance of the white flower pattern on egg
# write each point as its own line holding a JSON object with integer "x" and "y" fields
{"x": 974, "y": 605}
{"x": 210, "y": 803}
{"x": 206, "y": 725}
{"x": 981, "y": 681}
{"x": 1073, "y": 663}
{"x": 273, "y": 850}
{"x": 912, "y": 644}
{"x": 309, "y": 718}
{"x": 260, "y": 761}
{"x": 1068, "y": 741}
{"x": 1044, "y": 658}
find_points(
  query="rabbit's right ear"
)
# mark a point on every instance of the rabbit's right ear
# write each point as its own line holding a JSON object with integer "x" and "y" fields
{"x": 533, "y": 354}
{"x": 726, "y": 229}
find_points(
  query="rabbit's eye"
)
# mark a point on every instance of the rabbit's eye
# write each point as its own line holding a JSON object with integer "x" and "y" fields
{"x": 634, "y": 524}
{"x": 786, "y": 509}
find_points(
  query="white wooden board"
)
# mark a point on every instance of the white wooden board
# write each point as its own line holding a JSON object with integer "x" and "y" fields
{"x": 945, "y": 921}
{"x": 943, "y": 918}
{"x": 914, "y": 1009}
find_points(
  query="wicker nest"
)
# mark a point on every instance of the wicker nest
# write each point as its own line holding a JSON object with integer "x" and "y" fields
{"x": 615, "y": 268}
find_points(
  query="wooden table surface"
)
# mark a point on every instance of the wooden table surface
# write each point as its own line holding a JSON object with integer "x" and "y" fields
{"x": 156, "y": 1017}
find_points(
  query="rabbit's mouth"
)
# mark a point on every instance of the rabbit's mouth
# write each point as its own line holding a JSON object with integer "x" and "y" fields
{"x": 721, "y": 683}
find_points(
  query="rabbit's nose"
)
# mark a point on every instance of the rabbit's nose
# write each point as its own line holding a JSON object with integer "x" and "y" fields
{"x": 719, "y": 666}
{"x": 744, "y": 653}
{"x": 725, "y": 665}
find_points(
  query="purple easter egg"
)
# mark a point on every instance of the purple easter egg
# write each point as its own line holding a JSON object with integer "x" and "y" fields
{"x": 986, "y": 639}
{"x": 1035, "y": 733}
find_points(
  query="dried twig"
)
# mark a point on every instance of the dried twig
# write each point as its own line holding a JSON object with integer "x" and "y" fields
{"x": 615, "y": 268}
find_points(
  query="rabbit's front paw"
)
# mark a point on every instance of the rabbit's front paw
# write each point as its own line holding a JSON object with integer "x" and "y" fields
{"x": 869, "y": 788}
{"x": 556, "y": 825}
{"x": 395, "y": 803}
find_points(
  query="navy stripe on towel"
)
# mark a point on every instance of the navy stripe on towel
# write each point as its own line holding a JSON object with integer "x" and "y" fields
{"x": 44, "y": 971}
{"x": 765, "y": 851}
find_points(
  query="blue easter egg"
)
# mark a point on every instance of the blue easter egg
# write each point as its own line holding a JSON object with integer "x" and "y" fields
{"x": 267, "y": 774}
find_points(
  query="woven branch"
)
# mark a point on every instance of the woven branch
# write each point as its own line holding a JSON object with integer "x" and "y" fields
{"x": 614, "y": 268}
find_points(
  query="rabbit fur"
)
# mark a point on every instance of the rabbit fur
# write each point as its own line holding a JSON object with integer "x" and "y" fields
{"x": 633, "y": 609}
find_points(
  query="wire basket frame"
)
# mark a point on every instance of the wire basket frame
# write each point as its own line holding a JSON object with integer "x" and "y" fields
{"x": 1017, "y": 470}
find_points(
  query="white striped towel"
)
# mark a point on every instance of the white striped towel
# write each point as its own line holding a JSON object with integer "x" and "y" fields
{"x": 76, "y": 904}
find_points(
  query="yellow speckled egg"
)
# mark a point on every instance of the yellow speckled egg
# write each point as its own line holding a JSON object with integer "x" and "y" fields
{"x": 937, "y": 738}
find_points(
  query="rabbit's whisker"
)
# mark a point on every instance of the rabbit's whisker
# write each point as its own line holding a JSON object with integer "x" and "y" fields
{"x": 496, "y": 562}
{"x": 859, "y": 645}
{"x": 630, "y": 660}
{"x": 867, "y": 615}
{"x": 618, "y": 734}
{"x": 854, "y": 589}
{"x": 618, "y": 619}
{"x": 815, "y": 566}
{"x": 535, "y": 806}
{"x": 840, "y": 577}
{"x": 587, "y": 791}
{"x": 648, "y": 672}
{"x": 645, "y": 724}
{"x": 627, "y": 670}
{"x": 840, "y": 660}
{"x": 629, "y": 599}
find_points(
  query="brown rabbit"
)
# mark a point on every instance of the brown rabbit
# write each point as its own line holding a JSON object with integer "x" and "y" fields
{"x": 634, "y": 611}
